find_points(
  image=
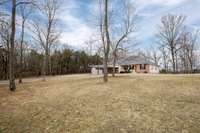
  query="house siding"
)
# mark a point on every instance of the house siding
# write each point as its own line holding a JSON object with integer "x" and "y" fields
{"x": 148, "y": 68}
{"x": 153, "y": 69}
{"x": 138, "y": 70}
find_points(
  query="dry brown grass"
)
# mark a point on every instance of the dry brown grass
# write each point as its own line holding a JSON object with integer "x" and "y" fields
{"x": 82, "y": 103}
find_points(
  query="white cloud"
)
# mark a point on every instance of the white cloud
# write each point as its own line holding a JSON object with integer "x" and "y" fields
{"x": 75, "y": 31}
{"x": 166, "y": 2}
{"x": 77, "y": 36}
{"x": 159, "y": 2}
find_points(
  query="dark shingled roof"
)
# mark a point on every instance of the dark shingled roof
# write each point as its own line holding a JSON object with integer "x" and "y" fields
{"x": 133, "y": 60}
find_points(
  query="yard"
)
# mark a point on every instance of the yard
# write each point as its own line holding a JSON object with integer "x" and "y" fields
{"x": 82, "y": 103}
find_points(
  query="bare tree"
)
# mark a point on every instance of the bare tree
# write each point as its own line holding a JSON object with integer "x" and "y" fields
{"x": 193, "y": 40}
{"x": 154, "y": 56}
{"x": 104, "y": 34}
{"x": 90, "y": 46}
{"x": 169, "y": 34}
{"x": 4, "y": 40}
{"x": 106, "y": 40}
{"x": 46, "y": 32}
{"x": 116, "y": 27}
{"x": 4, "y": 43}
{"x": 5, "y": 33}
{"x": 12, "y": 46}
{"x": 15, "y": 4}
{"x": 25, "y": 11}
{"x": 123, "y": 29}
{"x": 188, "y": 43}
{"x": 165, "y": 58}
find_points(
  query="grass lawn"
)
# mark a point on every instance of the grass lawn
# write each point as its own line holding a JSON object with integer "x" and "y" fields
{"x": 83, "y": 104}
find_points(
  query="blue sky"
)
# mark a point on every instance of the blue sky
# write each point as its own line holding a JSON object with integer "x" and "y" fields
{"x": 154, "y": 9}
{"x": 76, "y": 17}
{"x": 149, "y": 11}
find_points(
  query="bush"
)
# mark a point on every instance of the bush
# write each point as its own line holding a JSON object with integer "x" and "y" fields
{"x": 163, "y": 71}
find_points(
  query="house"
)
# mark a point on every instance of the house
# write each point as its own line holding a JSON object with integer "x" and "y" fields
{"x": 132, "y": 64}
{"x": 98, "y": 69}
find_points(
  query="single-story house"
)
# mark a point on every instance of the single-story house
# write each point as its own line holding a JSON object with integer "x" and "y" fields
{"x": 129, "y": 65}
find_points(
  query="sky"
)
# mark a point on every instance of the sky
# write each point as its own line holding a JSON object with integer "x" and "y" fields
{"x": 149, "y": 11}
{"x": 77, "y": 22}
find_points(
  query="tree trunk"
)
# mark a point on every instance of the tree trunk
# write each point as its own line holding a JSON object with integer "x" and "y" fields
{"x": 165, "y": 64}
{"x": 7, "y": 58}
{"x": 50, "y": 65}
{"x": 191, "y": 68}
{"x": 12, "y": 85}
{"x": 45, "y": 64}
{"x": 176, "y": 61}
{"x": 105, "y": 77}
{"x": 21, "y": 53}
{"x": 107, "y": 47}
{"x": 49, "y": 62}
{"x": 44, "y": 69}
{"x": 173, "y": 61}
{"x": 191, "y": 65}
{"x": 114, "y": 64}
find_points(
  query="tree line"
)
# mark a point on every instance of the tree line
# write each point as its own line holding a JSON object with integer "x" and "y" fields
{"x": 66, "y": 61}
{"x": 178, "y": 45}
{"x": 175, "y": 49}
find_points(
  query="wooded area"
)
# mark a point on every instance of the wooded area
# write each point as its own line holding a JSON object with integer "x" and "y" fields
{"x": 63, "y": 62}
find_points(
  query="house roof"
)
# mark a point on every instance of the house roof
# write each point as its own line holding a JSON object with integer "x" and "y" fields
{"x": 102, "y": 66}
{"x": 133, "y": 60}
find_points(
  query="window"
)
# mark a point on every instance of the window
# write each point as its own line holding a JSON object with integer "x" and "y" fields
{"x": 142, "y": 66}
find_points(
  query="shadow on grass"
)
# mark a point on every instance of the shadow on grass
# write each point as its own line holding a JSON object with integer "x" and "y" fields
{"x": 1, "y": 130}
